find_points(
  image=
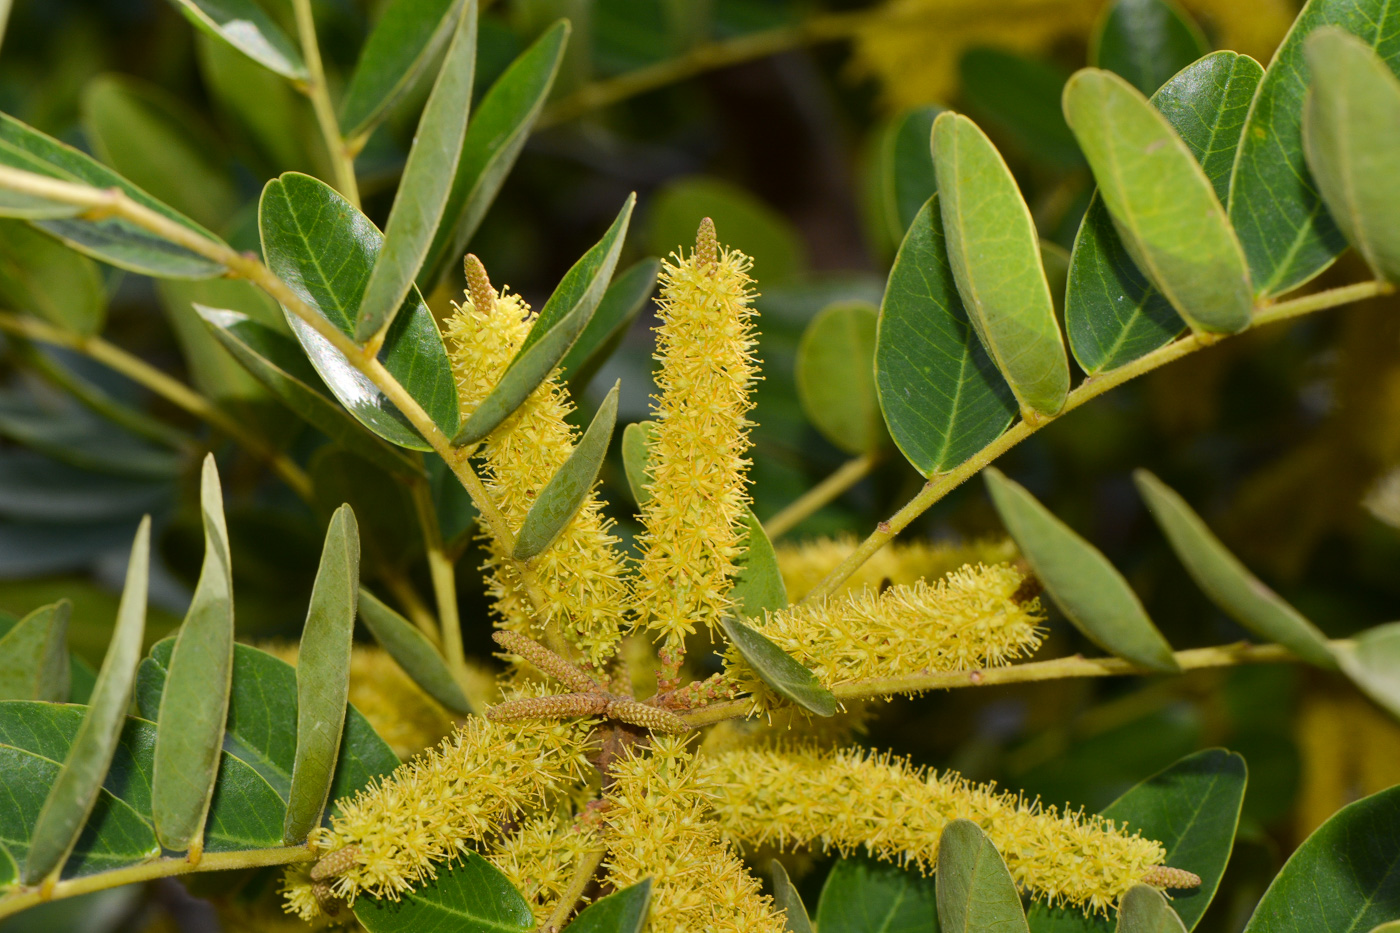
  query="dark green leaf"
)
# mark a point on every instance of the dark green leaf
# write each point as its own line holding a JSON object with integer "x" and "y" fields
{"x": 836, "y": 377}
{"x": 244, "y": 26}
{"x": 635, "y": 438}
{"x": 564, "y": 494}
{"x": 1020, "y": 97}
{"x": 412, "y": 651}
{"x": 758, "y": 583}
{"x": 623, "y": 911}
{"x": 904, "y": 172}
{"x": 874, "y": 897}
{"x": 43, "y": 277}
{"x": 779, "y": 670}
{"x": 1146, "y": 41}
{"x": 324, "y": 248}
{"x": 1373, "y": 664}
{"x": 974, "y": 886}
{"x": 1227, "y": 582}
{"x": 786, "y": 899}
{"x": 323, "y": 676}
{"x": 404, "y": 40}
{"x": 9, "y": 869}
{"x": 1089, "y": 591}
{"x": 34, "y": 656}
{"x": 79, "y": 440}
{"x": 425, "y": 184}
{"x": 468, "y": 896}
{"x": 74, "y": 792}
{"x": 1144, "y": 910}
{"x": 941, "y": 394}
{"x": 621, "y": 304}
{"x": 35, "y": 488}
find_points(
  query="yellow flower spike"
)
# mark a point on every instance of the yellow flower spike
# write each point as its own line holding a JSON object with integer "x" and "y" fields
{"x": 581, "y": 573}
{"x": 804, "y": 565}
{"x": 539, "y": 859}
{"x": 851, "y": 799}
{"x": 696, "y": 469}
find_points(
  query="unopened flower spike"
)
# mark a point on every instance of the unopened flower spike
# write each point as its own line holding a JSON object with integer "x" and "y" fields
{"x": 479, "y": 288}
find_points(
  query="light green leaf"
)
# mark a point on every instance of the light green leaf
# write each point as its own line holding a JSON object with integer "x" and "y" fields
{"x": 635, "y": 439}
{"x": 468, "y": 896}
{"x": 1146, "y": 41}
{"x": 34, "y": 656}
{"x": 1227, "y": 582}
{"x": 786, "y": 899}
{"x": 497, "y": 134}
{"x": 621, "y": 304}
{"x": 1162, "y": 204}
{"x": 570, "y": 486}
{"x": 1351, "y": 131}
{"x": 940, "y": 392}
{"x": 863, "y": 896}
{"x": 974, "y": 886}
{"x": 406, "y": 37}
{"x": 425, "y": 184}
{"x": 1144, "y": 910}
{"x": 778, "y": 669}
{"x": 561, "y": 321}
{"x": 197, "y": 686}
{"x": 1373, "y": 664}
{"x": 904, "y": 172}
{"x": 836, "y": 377}
{"x": 244, "y": 26}
{"x": 412, "y": 651}
{"x": 622, "y": 911}
{"x": 323, "y": 675}
{"x": 74, "y": 792}
{"x": 1391, "y": 927}
{"x": 1089, "y": 591}
{"x": 41, "y": 276}
{"x": 758, "y": 582}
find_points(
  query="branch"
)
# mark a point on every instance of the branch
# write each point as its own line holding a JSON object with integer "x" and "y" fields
{"x": 444, "y": 576}
{"x": 342, "y": 162}
{"x": 584, "y": 871}
{"x": 829, "y": 489}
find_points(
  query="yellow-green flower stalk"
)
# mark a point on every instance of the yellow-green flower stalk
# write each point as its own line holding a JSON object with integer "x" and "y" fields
{"x": 539, "y": 858}
{"x": 851, "y": 799}
{"x": 656, "y": 827}
{"x": 581, "y": 575}
{"x": 696, "y": 469}
{"x": 806, "y": 564}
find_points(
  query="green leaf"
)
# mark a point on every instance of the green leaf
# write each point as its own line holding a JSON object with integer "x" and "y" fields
{"x": 81, "y": 676}
{"x": 1345, "y": 876}
{"x": 1351, "y": 128}
{"x": 266, "y": 110}
{"x": 9, "y": 869}
{"x": 1193, "y": 809}
{"x": 904, "y": 171}
{"x": 1089, "y": 591}
{"x": 112, "y": 240}
{"x": 561, "y": 321}
{"x": 425, "y": 184}
{"x": 195, "y": 703}
{"x": 323, "y": 676}
{"x": 1163, "y": 205}
{"x": 1227, "y": 582}
{"x": 34, "y": 656}
{"x": 940, "y": 392}
{"x": 1144, "y": 910}
{"x": 874, "y": 897}
{"x": 778, "y": 669}
{"x": 995, "y": 256}
{"x": 974, "y": 886}
{"x": 468, "y": 896}
{"x": 412, "y": 651}
{"x": 744, "y": 223}
{"x": 78, "y": 439}
{"x": 74, "y": 792}
{"x": 213, "y": 370}
{"x": 1146, "y": 41}
{"x": 569, "y": 487}
{"x": 786, "y": 899}
{"x": 1373, "y": 664}
{"x": 758, "y": 583}
{"x": 635, "y": 439}
{"x": 405, "y": 39}
{"x": 324, "y": 248}
{"x": 623, "y": 911}
{"x": 836, "y": 377}
{"x": 1113, "y": 314}
{"x": 43, "y": 277}
{"x": 1020, "y": 96}
{"x": 621, "y": 304}
{"x": 244, "y": 26}
{"x": 1391, "y": 927}
{"x": 495, "y": 137}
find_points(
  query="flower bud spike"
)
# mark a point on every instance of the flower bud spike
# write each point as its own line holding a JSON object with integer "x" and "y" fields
{"x": 334, "y": 864}
{"x": 559, "y": 706}
{"x": 479, "y": 285}
{"x": 1161, "y": 876}
{"x": 648, "y": 717}
{"x": 707, "y": 243}
{"x": 547, "y": 661}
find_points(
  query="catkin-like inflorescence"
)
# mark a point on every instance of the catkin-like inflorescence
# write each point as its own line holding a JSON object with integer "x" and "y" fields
{"x": 806, "y": 564}
{"x": 696, "y": 469}
{"x": 581, "y": 575}
{"x": 539, "y": 858}
{"x": 656, "y": 828}
{"x": 848, "y": 799}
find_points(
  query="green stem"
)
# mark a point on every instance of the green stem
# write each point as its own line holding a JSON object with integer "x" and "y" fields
{"x": 846, "y": 476}
{"x": 342, "y": 160}
{"x": 444, "y": 576}
{"x": 583, "y": 874}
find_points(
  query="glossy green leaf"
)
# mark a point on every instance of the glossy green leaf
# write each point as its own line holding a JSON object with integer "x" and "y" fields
{"x": 560, "y": 322}
{"x": 994, "y": 253}
{"x": 863, "y": 896}
{"x": 1144, "y": 910}
{"x": 786, "y": 899}
{"x": 244, "y": 26}
{"x": 905, "y": 173}
{"x": 1089, "y": 591}
{"x": 34, "y": 656}
{"x": 974, "y": 886}
{"x": 1287, "y": 234}
{"x": 1345, "y": 876}
{"x": 1193, "y": 809}
{"x": 1227, "y": 582}
{"x": 425, "y": 184}
{"x": 1163, "y": 205}
{"x": 406, "y": 37}
{"x": 940, "y": 392}
{"x": 467, "y": 896}
{"x": 758, "y": 582}
{"x": 323, "y": 676}
{"x": 497, "y": 134}
{"x": 200, "y": 678}
{"x": 74, "y": 792}
{"x": 324, "y": 248}
{"x": 635, "y": 438}
{"x": 836, "y": 377}
{"x": 1351, "y": 130}
{"x": 1113, "y": 314}
{"x": 1372, "y": 661}
{"x": 41, "y": 276}
{"x": 621, "y": 304}
{"x": 778, "y": 669}
{"x": 623, "y": 911}
{"x": 112, "y": 240}
{"x": 412, "y": 651}
{"x": 1020, "y": 97}
{"x": 1146, "y": 41}
{"x": 564, "y": 494}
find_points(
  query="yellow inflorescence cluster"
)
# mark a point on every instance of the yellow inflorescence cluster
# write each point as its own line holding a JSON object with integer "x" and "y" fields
{"x": 806, "y": 564}
{"x": 539, "y": 858}
{"x": 851, "y": 799}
